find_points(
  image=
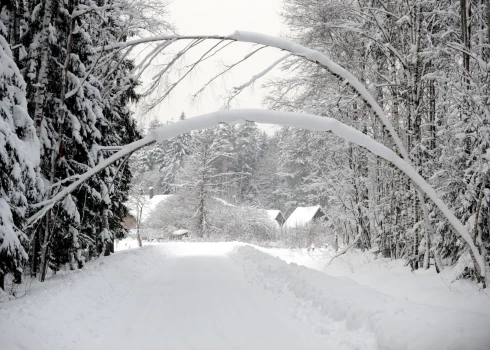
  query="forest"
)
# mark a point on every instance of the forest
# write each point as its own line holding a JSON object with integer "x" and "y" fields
{"x": 70, "y": 81}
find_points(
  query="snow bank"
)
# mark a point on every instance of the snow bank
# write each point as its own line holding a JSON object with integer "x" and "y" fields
{"x": 313, "y": 259}
{"x": 79, "y": 301}
{"x": 422, "y": 286}
{"x": 396, "y": 322}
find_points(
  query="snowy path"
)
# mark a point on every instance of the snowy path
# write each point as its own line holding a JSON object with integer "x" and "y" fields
{"x": 223, "y": 296}
{"x": 163, "y": 297}
{"x": 204, "y": 303}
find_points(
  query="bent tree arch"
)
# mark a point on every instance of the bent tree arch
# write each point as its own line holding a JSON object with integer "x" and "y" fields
{"x": 294, "y": 49}
{"x": 299, "y": 120}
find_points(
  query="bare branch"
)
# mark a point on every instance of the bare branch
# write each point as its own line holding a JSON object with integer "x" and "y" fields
{"x": 237, "y": 90}
{"x": 226, "y": 70}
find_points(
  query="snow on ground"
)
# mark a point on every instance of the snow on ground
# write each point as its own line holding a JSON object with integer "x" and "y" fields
{"x": 163, "y": 296}
{"x": 313, "y": 259}
{"x": 395, "y": 322}
{"x": 71, "y": 310}
{"x": 422, "y": 286}
{"x": 392, "y": 277}
{"x": 188, "y": 295}
{"x": 387, "y": 276}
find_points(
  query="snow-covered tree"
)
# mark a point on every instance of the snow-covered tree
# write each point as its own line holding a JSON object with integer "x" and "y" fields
{"x": 199, "y": 178}
{"x": 20, "y": 182}
{"x": 247, "y": 141}
{"x": 176, "y": 150}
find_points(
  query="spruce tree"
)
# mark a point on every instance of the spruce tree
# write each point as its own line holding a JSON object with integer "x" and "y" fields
{"x": 19, "y": 159}
{"x": 177, "y": 149}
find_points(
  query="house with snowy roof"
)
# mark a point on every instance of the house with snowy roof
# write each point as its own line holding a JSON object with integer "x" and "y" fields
{"x": 276, "y": 216}
{"x": 303, "y": 216}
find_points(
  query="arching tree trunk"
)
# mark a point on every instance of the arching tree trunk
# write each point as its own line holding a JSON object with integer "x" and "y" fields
{"x": 302, "y": 120}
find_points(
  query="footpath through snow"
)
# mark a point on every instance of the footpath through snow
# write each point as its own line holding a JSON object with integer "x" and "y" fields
{"x": 223, "y": 296}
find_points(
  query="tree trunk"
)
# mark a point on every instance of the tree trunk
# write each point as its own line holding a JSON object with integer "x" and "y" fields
{"x": 488, "y": 28}
{"x": 105, "y": 225}
{"x": 19, "y": 11}
{"x": 465, "y": 39}
{"x": 478, "y": 206}
{"x": 438, "y": 262}
{"x": 35, "y": 249}
{"x": 138, "y": 236}
{"x": 416, "y": 239}
{"x": 427, "y": 251}
{"x": 45, "y": 249}
{"x": 64, "y": 83}
{"x": 59, "y": 144}
{"x": 45, "y": 50}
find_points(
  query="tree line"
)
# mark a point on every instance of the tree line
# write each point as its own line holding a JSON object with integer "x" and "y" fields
{"x": 68, "y": 82}
{"x": 428, "y": 64}
{"x": 65, "y": 107}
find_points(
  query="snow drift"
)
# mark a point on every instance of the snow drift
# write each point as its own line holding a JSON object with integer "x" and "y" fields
{"x": 396, "y": 322}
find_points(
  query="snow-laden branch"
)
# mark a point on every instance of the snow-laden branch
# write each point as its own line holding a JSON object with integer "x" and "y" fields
{"x": 83, "y": 9}
{"x": 295, "y": 49}
{"x": 323, "y": 61}
{"x": 299, "y": 120}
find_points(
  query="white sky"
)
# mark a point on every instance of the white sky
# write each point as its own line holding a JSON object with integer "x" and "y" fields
{"x": 221, "y": 17}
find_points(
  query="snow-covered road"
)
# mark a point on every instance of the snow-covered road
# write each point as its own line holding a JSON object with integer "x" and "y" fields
{"x": 222, "y": 296}
{"x": 204, "y": 303}
{"x": 169, "y": 296}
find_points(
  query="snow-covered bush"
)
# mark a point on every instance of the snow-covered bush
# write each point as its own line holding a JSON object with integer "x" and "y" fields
{"x": 170, "y": 215}
{"x": 317, "y": 234}
{"x": 225, "y": 222}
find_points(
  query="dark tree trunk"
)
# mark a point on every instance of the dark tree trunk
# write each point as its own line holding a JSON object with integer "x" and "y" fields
{"x": 35, "y": 252}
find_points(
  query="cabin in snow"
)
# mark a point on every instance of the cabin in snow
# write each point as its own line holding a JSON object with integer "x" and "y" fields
{"x": 276, "y": 216}
{"x": 303, "y": 216}
{"x": 180, "y": 234}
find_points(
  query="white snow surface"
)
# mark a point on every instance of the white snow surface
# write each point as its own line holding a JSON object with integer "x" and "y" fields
{"x": 166, "y": 296}
{"x": 301, "y": 216}
{"x": 396, "y": 322}
{"x": 223, "y": 296}
{"x": 393, "y": 277}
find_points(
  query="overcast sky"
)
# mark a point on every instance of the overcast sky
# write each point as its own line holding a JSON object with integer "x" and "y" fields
{"x": 221, "y": 17}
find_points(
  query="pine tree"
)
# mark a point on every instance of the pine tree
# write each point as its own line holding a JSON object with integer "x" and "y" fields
{"x": 81, "y": 116}
{"x": 19, "y": 159}
{"x": 265, "y": 181}
{"x": 177, "y": 149}
{"x": 247, "y": 152}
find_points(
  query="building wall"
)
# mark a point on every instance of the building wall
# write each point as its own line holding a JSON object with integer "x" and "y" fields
{"x": 129, "y": 222}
